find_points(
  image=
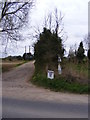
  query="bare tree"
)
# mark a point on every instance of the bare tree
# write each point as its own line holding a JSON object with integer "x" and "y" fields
{"x": 86, "y": 40}
{"x": 58, "y": 22}
{"x": 54, "y": 22}
{"x": 13, "y": 16}
{"x": 71, "y": 53}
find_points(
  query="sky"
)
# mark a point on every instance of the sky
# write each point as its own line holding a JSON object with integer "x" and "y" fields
{"x": 75, "y": 22}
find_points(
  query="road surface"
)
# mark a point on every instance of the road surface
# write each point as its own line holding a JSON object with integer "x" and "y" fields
{"x": 40, "y": 109}
{"x": 21, "y": 99}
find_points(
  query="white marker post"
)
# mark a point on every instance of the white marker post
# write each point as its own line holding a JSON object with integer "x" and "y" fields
{"x": 59, "y": 66}
{"x": 59, "y": 69}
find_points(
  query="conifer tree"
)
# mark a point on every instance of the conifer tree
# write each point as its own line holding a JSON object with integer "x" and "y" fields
{"x": 47, "y": 49}
{"x": 80, "y": 53}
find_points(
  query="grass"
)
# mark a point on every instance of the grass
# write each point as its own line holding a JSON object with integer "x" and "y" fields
{"x": 59, "y": 84}
{"x": 74, "y": 78}
{"x": 21, "y": 63}
{"x": 77, "y": 71}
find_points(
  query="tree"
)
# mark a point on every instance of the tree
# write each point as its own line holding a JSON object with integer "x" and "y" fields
{"x": 54, "y": 22}
{"x": 71, "y": 54}
{"x": 49, "y": 43}
{"x": 88, "y": 54}
{"x": 47, "y": 49}
{"x": 13, "y": 16}
{"x": 87, "y": 41}
{"x": 80, "y": 52}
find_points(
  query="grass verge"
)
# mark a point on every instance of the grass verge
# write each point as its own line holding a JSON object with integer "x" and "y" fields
{"x": 21, "y": 63}
{"x": 59, "y": 84}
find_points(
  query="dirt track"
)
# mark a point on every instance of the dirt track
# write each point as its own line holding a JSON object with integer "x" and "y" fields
{"x": 15, "y": 84}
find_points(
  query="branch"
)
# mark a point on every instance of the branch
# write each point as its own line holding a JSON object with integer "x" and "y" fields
{"x": 5, "y": 30}
{"x": 17, "y": 9}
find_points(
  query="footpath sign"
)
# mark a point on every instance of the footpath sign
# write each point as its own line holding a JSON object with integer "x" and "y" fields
{"x": 50, "y": 74}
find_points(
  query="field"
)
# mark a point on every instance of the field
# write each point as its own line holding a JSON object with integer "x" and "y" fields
{"x": 6, "y": 65}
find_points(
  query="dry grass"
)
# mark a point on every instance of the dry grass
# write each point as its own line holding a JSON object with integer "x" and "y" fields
{"x": 78, "y": 72}
{"x": 9, "y": 65}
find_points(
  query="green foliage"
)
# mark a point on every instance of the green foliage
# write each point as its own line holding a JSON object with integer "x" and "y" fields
{"x": 47, "y": 49}
{"x": 59, "y": 84}
{"x": 28, "y": 56}
{"x": 80, "y": 53}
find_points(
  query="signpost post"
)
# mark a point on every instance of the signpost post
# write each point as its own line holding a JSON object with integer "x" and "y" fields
{"x": 59, "y": 66}
{"x": 50, "y": 73}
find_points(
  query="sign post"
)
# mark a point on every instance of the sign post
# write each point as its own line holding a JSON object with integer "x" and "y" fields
{"x": 50, "y": 74}
{"x": 59, "y": 69}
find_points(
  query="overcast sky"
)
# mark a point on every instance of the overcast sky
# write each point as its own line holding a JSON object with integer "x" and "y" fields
{"x": 75, "y": 20}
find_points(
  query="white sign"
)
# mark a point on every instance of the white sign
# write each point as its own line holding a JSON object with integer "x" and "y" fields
{"x": 59, "y": 69}
{"x": 50, "y": 74}
{"x": 59, "y": 59}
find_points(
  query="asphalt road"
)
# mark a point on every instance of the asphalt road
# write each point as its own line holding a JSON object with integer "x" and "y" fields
{"x": 15, "y": 108}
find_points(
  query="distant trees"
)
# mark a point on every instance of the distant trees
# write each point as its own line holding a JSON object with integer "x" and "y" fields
{"x": 80, "y": 52}
{"x": 13, "y": 58}
{"x": 28, "y": 56}
{"x": 71, "y": 54}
